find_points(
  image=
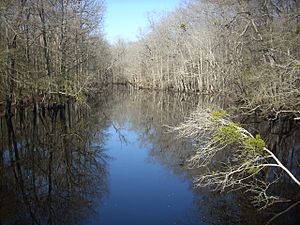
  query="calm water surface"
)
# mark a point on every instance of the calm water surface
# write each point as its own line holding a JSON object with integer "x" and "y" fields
{"x": 142, "y": 191}
{"x": 112, "y": 164}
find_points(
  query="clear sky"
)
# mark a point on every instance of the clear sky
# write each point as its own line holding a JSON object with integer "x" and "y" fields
{"x": 124, "y": 17}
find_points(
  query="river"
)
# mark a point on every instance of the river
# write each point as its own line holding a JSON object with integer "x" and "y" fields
{"x": 116, "y": 163}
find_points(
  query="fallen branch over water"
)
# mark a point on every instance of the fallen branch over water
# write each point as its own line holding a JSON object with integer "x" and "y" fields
{"x": 232, "y": 157}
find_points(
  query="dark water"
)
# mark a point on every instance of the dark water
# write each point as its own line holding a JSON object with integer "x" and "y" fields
{"x": 116, "y": 164}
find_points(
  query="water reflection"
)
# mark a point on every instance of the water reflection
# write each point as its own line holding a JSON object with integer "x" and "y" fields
{"x": 151, "y": 113}
{"x": 54, "y": 169}
{"x": 147, "y": 113}
{"x": 52, "y": 166}
{"x": 282, "y": 136}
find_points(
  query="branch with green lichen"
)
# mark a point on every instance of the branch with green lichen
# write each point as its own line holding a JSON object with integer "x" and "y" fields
{"x": 232, "y": 157}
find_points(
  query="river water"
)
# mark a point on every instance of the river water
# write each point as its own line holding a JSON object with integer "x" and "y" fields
{"x": 116, "y": 163}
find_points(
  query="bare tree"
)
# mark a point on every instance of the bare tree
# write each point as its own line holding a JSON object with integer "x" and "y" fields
{"x": 246, "y": 49}
{"x": 54, "y": 48}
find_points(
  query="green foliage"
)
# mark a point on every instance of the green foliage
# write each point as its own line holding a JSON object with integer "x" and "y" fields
{"x": 217, "y": 115}
{"x": 81, "y": 97}
{"x": 228, "y": 134}
{"x": 253, "y": 169}
{"x": 183, "y": 26}
{"x": 69, "y": 87}
{"x": 254, "y": 145}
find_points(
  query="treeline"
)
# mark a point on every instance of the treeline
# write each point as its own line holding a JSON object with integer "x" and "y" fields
{"x": 247, "y": 49}
{"x": 51, "y": 48}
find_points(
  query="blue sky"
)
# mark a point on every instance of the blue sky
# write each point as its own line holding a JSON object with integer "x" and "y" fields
{"x": 124, "y": 17}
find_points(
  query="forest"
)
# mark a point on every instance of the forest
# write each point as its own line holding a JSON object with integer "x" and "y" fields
{"x": 248, "y": 50}
{"x": 51, "y": 50}
{"x": 213, "y": 86}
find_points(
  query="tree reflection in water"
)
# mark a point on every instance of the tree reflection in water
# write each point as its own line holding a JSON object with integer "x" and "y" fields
{"x": 52, "y": 166}
{"x": 282, "y": 136}
{"x": 148, "y": 112}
